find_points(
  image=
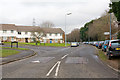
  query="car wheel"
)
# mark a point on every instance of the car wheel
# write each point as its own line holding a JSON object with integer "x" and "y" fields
{"x": 109, "y": 57}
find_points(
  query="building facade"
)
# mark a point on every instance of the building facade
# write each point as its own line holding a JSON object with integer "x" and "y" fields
{"x": 11, "y": 32}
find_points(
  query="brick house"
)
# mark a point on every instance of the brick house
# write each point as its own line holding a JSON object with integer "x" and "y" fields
{"x": 11, "y": 32}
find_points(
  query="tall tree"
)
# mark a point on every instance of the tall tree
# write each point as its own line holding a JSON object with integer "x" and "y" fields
{"x": 74, "y": 36}
{"x": 116, "y": 9}
{"x": 118, "y": 35}
{"x": 47, "y": 24}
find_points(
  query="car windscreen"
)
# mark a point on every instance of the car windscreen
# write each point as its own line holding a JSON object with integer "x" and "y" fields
{"x": 106, "y": 42}
{"x": 115, "y": 43}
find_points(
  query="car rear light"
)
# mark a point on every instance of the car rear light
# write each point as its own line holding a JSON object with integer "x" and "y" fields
{"x": 110, "y": 44}
{"x": 106, "y": 44}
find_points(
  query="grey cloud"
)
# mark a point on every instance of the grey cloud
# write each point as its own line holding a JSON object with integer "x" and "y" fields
{"x": 23, "y": 11}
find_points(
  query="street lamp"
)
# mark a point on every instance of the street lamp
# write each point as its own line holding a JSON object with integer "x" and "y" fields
{"x": 65, "y": 25}
{"x": 110, "y": 21}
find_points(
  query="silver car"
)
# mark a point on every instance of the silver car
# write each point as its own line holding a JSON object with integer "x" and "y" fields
{"x": 74, "y": 44}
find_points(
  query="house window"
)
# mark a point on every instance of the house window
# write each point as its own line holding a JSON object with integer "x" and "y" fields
{"x": 55, "y": 34}
{"x": 4, "y": 31}
{"x": 45, "y": 35}
{"x": 56, "y": 40}
{"x": 4, "y": 38}
{"x": 50, "y": 34}
{"x": 61, "y": 34}
{"x": 12, "y": 38}
{"x": 12, "y": 31}
{"x": 26, "y": 32}
{"x": 19, "y": 32}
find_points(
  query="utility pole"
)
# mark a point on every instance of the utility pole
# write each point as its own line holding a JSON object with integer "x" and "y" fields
{"x": 34, "y": 22}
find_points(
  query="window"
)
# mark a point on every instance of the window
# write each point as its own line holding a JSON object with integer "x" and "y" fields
{"x": 12, "y": 31}
{"x": 19, "y": 32}
{"x": 4, "y": 38}
{"x": 55, "y": 34}
{"x": 56, "y": 40}
{"x": 4, "y": 31}
{"x": 12, "y": 38}
{"x": 50, "y": 34}
{"x": 26, "y": 32}
{"x": 61, "y": 34}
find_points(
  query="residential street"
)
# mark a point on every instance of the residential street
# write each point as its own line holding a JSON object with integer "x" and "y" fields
{"x": 53, "y": 62}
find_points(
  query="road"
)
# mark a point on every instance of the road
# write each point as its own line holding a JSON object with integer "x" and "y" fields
{"x": 53, "y": 62}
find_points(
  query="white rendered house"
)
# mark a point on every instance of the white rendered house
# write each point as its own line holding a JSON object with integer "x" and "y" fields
{"x": 11, "y": 32}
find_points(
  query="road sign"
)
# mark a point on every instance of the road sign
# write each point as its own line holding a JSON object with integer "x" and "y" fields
{"x": 106, "y": 33}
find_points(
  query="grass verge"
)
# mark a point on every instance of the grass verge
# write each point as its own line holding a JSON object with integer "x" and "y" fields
{"x": 42, "y": 44}
{"x": 15, "y": 48}
{"x": 7, "y": 52}
{"x": 114, "y": 63}
{"x": 102, "y": 55}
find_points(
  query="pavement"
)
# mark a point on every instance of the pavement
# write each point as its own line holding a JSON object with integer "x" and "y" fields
{"x": 22, "y": 55}
{"x": 53, "y": 62}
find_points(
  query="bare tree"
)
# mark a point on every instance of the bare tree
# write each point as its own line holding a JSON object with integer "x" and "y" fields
{"x": 74, "y": 36}
{"x": 47, "y": 24}
{"x": 37, "y": 33}
{"x": 99, "y": 26}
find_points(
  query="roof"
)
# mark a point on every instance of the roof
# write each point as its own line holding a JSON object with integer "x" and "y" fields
{"x": 8, "y": 27}
{"x": 30, "y": 28}
{"x": 25, "y": 28}
{"x": 52, "y": 30}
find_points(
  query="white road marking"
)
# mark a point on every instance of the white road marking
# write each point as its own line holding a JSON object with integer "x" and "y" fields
{"x": 52, "y": 69}
{"x": 64, "y": 56}
{"x": 36, "y": 61}
{"x": 113, "y": 68}
{"x": 57, "y": 69}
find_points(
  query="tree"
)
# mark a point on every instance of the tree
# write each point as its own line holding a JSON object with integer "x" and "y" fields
{"x": 47, "y": 24}
{"x": 94, "y": 30}
{"x": 83, "y": 34}
{"x": 74, "y": 36}
{"x": 116, "y": 9}
{"x": 37, "y": 33}
{"x": 118, "y": 35}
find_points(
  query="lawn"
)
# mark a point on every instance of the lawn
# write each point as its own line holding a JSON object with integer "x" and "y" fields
{"x": 16, "y": 48}
{"x": 42, "y": 44}
{"x": 7, "y": 52}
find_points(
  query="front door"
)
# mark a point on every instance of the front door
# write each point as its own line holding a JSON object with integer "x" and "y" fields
{"x": 26, "y": 40}
{"x": 50, "y": 40}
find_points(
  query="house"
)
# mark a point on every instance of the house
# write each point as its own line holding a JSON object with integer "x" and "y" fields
{"x": 11, "y": 32}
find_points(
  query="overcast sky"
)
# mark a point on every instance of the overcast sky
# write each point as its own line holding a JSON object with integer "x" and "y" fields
{"x": 22, "y": 12}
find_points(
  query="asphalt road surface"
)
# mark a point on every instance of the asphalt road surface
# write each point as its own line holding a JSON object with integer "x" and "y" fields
{"x": 52, "y": 62}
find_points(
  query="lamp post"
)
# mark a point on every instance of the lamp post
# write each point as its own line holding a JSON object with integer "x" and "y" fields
{"x": 65, "y": 25}
{"x": 110, "y": 22}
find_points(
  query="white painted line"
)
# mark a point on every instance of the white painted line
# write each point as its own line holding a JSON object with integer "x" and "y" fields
{"x": 64, "y": 56}
{"x": 57, "y": 69}
{"x": 36, "y": 61}
{"x": 51, "y": 69}
{"x": 113, "y": 68}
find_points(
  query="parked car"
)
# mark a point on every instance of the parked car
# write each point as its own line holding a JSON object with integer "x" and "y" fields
{"x": 74, "y": 44}
{"x": 97, "y": 43}
{"x": 113, "y": 48}
{"x": 105, "y": 45}
{"x": 100, "y": 44}
{"x": 94, "y": 43}
{"x": 1, "y": 43}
